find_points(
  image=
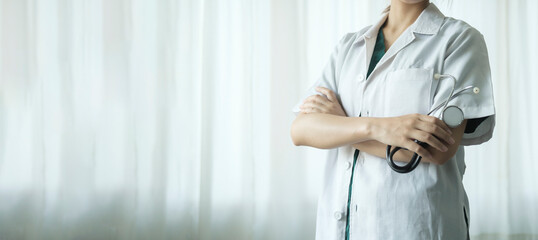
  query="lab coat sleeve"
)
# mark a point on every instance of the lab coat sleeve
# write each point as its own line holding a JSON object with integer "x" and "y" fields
{"x": 467, "y": 60}
{"x": 329, "y": 76}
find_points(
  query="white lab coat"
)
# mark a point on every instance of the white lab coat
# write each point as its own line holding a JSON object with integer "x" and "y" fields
{"x": 430, "y": 202}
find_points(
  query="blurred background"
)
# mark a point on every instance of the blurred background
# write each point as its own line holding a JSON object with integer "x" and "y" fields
{"x": 169, "y": 119}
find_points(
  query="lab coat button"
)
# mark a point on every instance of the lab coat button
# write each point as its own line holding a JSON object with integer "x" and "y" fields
{"x": 338, "y": 215}
{"x": 361, "y": 77}
{"x": 348, "y": 165}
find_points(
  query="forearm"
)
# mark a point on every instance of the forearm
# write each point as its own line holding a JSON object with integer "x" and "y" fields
{"x": 328, "y": 131}
{"x": 380, "y": 150}
{"x": 322, "y": 124}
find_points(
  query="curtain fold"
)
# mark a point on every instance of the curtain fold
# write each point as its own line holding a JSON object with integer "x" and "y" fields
{"x": 169, "y": 119}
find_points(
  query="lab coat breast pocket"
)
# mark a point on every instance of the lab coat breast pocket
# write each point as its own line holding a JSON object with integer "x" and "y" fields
{"x": 408, "y": 91}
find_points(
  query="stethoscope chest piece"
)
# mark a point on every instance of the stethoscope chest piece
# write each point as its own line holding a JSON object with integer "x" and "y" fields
{"x": 452, "y": 116}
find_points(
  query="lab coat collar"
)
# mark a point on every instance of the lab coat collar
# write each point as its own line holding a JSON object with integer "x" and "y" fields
{"x": 428, "y": 22}
{"x": 374, "y": 29}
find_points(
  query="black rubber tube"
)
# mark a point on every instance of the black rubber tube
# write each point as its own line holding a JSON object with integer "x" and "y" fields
{"x": 408, "y": 167}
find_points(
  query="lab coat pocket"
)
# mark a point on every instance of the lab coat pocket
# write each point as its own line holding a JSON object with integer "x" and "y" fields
{"x": 408, "y": 91}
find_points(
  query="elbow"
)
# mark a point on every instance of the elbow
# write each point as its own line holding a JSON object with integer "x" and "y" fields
{"x": 295, "y": 135}
{"x": 296, "y": 142}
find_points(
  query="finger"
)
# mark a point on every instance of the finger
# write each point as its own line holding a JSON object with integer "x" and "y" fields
{"x": 437, "y": 121}
{"x": 317, "y": 99}
{"x": 312, "y": 108}
{"x": 415, "y": 147}
{"x": 308, "y": 105}
{"x": 434, "y": 129}
{"x": 429, "y": 139}
{"x": 330, "y": 94}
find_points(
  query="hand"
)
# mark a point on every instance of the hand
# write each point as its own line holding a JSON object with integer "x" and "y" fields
{"x": 402, "y": 131}
{"x": 323, "y": 104}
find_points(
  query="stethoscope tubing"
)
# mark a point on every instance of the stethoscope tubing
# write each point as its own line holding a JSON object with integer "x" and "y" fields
{"x": 450, "y": 99}
{"x": 415, "y": 159}
{"x": 410, "y": 166}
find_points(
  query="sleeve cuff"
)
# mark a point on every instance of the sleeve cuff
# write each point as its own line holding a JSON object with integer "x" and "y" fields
{"x": 484, "y": 131}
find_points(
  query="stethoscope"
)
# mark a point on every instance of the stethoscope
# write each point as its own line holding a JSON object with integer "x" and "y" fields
{"x": 451, "y": 115}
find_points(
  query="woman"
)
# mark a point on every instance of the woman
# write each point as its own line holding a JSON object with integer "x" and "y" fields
{"x": 376, "y": 91}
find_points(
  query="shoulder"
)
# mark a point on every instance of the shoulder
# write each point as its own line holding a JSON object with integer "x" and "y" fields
{"x": 456, "y": 28}
{"x": 460, "y": 33}
{"x": 349, "y": 38}
{"x": 457, "y": 25}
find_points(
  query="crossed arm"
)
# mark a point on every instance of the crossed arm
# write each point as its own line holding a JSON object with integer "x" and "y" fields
{"x": 323, "y": 123}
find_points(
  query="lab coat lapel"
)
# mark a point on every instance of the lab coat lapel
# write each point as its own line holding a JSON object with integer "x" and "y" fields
{"x": 405, "y": 39}
{"x": 370, "y": 38}
{"x": 427, "y": 23}
{"x": 370, "y": 45}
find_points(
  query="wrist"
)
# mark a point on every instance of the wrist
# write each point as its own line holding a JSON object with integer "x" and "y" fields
{"x": 373, "y": 128}
{"x": 365, "y": 129}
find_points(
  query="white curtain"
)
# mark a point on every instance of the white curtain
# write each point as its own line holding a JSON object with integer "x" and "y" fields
{"x": 169, "y": 119}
